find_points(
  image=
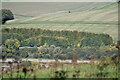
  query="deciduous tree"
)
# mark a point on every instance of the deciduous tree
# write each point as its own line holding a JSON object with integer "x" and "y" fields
{"x": 6, "y": 15}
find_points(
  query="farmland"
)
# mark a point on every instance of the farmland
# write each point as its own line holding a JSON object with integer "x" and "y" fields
{"x": 95, "y": 17}
{"x": 66, "y": 34}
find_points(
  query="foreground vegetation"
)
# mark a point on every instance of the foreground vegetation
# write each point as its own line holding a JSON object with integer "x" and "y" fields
{"x": 106, "y": 68}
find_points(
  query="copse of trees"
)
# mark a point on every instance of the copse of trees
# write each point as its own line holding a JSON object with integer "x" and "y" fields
{"x": 6, "y": 15}
{"x": 38, "y": 37}
{"x": 25, "y": 43}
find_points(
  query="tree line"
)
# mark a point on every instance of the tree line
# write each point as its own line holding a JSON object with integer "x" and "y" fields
{"x": 38, "y": 37}
{"x": 39, "y": 43}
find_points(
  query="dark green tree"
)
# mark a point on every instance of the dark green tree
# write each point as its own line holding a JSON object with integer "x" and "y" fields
{"x": 6, "y": 15}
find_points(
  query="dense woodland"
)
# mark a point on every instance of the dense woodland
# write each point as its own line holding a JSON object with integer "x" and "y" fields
{"x": 38, "y": 43}
{"x": 37, "y": 37}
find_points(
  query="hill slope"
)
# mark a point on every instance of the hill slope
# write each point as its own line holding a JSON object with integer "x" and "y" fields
{"x": 90, "y": 17}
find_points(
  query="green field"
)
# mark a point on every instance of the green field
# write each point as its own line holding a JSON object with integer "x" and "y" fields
{"x": 88, "y": 17}
{"x": 86, "y": 71}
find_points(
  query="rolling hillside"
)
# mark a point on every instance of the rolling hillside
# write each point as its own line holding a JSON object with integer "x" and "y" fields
{"x": 90, "y": 17}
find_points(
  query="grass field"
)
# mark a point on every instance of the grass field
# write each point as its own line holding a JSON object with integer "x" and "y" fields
{"x": 86, "y": 71}
{"x": 88, "y": 17}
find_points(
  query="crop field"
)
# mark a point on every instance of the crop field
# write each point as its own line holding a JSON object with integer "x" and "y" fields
{"x": 98, "y": 18}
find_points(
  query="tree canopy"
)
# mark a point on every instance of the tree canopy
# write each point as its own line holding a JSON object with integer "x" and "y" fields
{"x": 6, "y": 15}
{"x": 10, "y": 47}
